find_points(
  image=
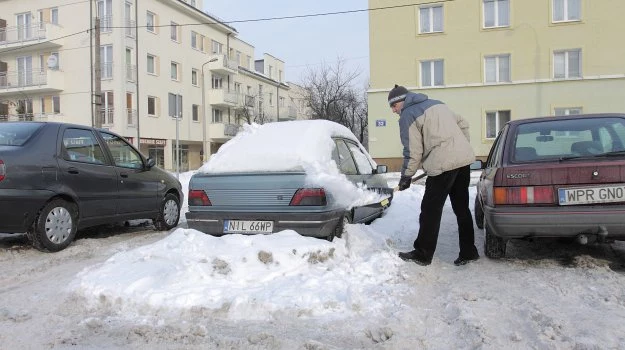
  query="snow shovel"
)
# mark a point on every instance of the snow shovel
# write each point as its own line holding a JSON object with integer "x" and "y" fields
{"x": 414, "y": 179}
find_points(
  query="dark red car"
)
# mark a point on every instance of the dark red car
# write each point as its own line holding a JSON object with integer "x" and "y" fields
{"x": 554, "y": 177}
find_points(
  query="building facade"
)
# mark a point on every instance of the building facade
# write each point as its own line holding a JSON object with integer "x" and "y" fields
{"x": 175, "y": 81}
{"x": 493, "y": 61}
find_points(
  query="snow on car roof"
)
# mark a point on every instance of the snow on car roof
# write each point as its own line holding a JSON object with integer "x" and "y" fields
{"x": 282, "y": 146}
{"x": 301, "y": 145}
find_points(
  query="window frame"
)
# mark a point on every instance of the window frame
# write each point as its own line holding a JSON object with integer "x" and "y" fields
{"x": 496, "y": 15}
{"x": 150, "y": 27}
{"x": 498, "y": 68}
{"x": 431, "y": 19}
{"x": 565, "y": 11}
{"x": 147, "y": 63}
{"x": 498, "y": 123}
{"x": 154, "y": 103}
{"x": 175, "y": 65}
{"x": 195, "y": 113}
{"x": 174, "y": 34}
{"x": 432, "y": 77}
{"x": 567, "y": 64}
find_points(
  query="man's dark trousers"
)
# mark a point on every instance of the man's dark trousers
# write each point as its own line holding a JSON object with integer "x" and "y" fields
{"x": 455, "y": 184}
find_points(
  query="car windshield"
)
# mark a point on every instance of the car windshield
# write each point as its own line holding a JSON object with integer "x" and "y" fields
{"x": 565, "y": 139}
{"x": 16, "y": 134}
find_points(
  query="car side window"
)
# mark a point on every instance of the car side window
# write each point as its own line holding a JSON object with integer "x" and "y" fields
{"x": 362, "y": 161}
{"x": 123, "y": 154}
{"x": 494, "y": 158}
{"x": 81, "y": 145}
{"x": 345, "y": 162}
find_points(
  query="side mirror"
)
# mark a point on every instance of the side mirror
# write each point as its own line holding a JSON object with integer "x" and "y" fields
{"x": 151, "y": 163}
{"x": 477, "y": 165}
{"x": 381, "y": 169}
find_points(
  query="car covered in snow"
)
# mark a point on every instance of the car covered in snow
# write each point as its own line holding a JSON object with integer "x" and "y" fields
{"x": 311, "y": 176}
{"x": 554, "y": 177}
{"x": 56, "y": 178}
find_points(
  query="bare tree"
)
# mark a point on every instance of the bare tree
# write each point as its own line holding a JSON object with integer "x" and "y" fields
{"x": 250, "y": 110}
{"x": 332, "y": 95}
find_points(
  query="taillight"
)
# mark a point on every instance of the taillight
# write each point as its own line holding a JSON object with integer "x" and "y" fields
{"x": 198, "y": 197}
{"x": 524, "y": 195}
{"x": 3, "y": 170}
{"x": 309, "y": 196}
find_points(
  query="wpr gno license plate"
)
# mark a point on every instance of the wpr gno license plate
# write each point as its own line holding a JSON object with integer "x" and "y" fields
{"x": 592, "y": 195}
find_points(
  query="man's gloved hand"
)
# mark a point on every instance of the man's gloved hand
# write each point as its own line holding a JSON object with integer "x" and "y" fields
{"x": 404, "y": 182}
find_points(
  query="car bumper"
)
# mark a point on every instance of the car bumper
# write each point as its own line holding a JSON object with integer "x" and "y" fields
{"x": 25, "y": 202}
{"x": 320, "y": 224}
{"x": 566, "y": 221}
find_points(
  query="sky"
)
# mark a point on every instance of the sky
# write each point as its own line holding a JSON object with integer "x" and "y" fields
{"x": 293, "y": 287}
{"x": 302, "y": 43}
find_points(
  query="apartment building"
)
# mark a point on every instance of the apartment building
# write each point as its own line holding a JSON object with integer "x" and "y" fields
{"x": 175, "y": 81}
{"x": 493, "y": 61}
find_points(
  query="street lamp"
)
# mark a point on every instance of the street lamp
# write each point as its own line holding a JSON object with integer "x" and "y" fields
{"x": 204, "y": 108}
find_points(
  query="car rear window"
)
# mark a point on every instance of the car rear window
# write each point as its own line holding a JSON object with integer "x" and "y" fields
{"x": 557, "y": 138}
{"x": 16, "y": 134}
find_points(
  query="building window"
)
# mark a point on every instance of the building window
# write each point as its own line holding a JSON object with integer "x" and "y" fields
{"x": 566, "y": 10}
{"x": 194, "y": 77}
{"x": 567, "y": 64}
{"x": 559, "y": 112}
{"x": 151, "y": 64}
{"x": 432, "y": 73}
{"x": 216, "y": 47}
{"x": 150, "y": 22}
{"x": 174, "y": 71}
{"x": 495, "y": 120}
{"x": 197, "y": 41}
{"x": 54, "y": 15}
{"x": 56, "y": 104}
{"x": 216, "y": 81}
{"x": 431, "y": 19}
{"x": 496, "y": 13}
{"x": 218, "y": 116}
{"x": 174, "y": 31}
{"x": 152, "y": 105}
{"x": 196, "y": 112}
{"x": 497, "y": 69}
{"x": 175, "y": 105}
{"x": 271, "y": 99}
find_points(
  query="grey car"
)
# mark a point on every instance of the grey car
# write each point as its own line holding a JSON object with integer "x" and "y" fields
{"x": 263, "y": 202}
{"x": 56, "y": 178}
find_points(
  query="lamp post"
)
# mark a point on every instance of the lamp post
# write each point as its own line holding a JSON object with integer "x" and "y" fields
{"x": 203, "y": 150}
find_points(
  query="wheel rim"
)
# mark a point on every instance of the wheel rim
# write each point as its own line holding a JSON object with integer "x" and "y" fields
{"x": 170, "y": 212}
{"x": 58, "y": 225}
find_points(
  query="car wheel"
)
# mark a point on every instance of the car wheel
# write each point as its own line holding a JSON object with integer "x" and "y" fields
{"x": 340, "y": 228}
{"x": 494, "y": 246}
{"x": 55, "y": 226}
{"x": 478, "y": 212}
{"x": 169, "y": 213}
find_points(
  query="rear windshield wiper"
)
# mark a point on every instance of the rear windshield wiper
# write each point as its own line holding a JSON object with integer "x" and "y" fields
{"x": 600, "y": 155}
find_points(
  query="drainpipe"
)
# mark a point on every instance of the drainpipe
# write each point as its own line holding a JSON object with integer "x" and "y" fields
{"x": 137, "y": 70}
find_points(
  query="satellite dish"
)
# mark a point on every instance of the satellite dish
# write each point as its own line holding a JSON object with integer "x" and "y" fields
{"x": 53, "y": 62}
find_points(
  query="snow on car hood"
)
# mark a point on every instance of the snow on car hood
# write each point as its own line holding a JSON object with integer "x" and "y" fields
{"x": 303, "y": 145}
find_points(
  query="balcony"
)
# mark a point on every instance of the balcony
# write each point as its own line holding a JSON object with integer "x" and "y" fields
{"x": 106, "y": 116}
{"x": 131, "y": 31}
{"x": 39, "y": 33}
{"x": 131, "y": 72}
{"x": 28, "y": 117}
{"x": 36, "y": 80}
{"x": 222, "y": 98}
{"x": 131, "y": 117}
{"x": 223, "y": 65}
{"x": 246, "y": 100}
{"x": 288, "y": 113}
{"x": 221, "y": 132}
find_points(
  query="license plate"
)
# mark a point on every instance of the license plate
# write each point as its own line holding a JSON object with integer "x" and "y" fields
{"x": 248, "y": 226}
{"x": 592, "y": 195}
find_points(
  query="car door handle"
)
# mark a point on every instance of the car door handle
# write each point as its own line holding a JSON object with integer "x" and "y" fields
{"x": 73, "y": 170}
{"x": 124, "y": 175}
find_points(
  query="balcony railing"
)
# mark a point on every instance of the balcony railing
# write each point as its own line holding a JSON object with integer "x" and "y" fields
{"x": 28, "y": 117}
{"x": 107, "y": 116}
{"x": 12, "y": 79}
{"x": 131, "y": 72}
{"x": 131, "y": 31}
{"x": 131, "y": 115}
{"x": 106, "y": 70}
{"x": 106, "y": 24}
{"x": 231, "y": 129}
{"x": 16, "y": 34}
{"x": 223, "y": 65}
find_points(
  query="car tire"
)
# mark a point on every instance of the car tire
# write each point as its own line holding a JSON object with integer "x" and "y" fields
{"x": 168, "y": 213}
{"x": 494, "y": 246}
{"x": 55, "y": 226}
{"x": 478, "y": 212}
{"x": 340, "y": 228}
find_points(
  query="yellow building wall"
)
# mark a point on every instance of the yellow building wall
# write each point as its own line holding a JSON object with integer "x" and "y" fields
{"x": 396, "y": 49}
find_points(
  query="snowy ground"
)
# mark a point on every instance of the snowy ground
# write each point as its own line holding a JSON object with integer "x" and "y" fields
{"x": 140, "y": 289}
